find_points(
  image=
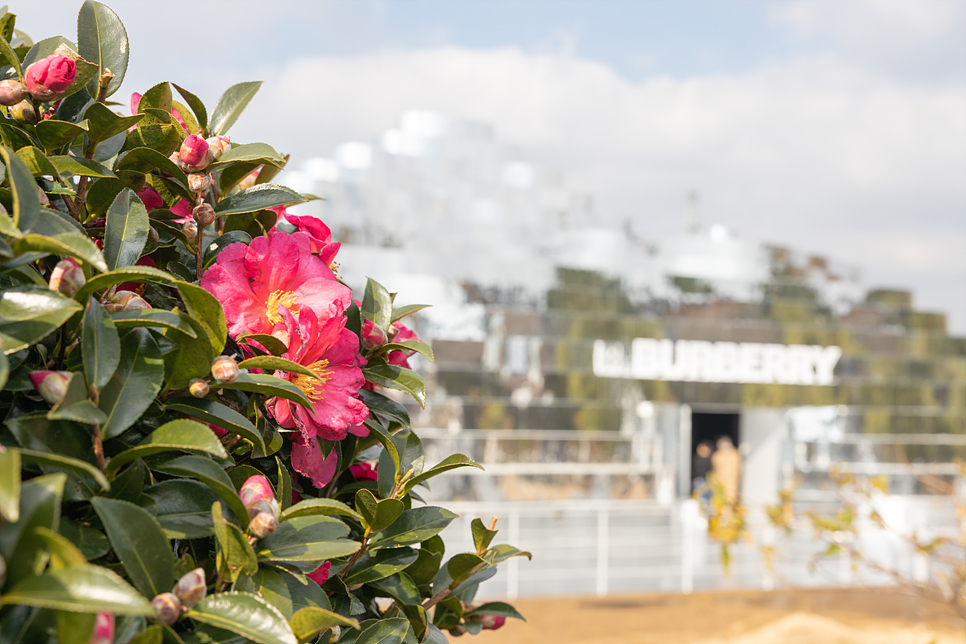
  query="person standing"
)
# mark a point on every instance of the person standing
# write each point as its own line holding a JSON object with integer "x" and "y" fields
{"x": 726, "y": 467}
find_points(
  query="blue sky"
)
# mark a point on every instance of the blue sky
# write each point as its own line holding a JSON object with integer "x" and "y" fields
{"x": 833, "y": 126}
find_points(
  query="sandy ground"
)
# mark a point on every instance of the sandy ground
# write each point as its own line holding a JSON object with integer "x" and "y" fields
{"x": 865, "y": 616}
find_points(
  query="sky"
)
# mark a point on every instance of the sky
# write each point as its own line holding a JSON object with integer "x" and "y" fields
{"x": 835, "y": 127}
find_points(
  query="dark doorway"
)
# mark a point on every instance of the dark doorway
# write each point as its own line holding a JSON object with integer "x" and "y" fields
{"x": 708, "y": 428}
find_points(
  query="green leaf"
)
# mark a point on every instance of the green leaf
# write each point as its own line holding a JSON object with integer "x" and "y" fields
{"x": 146, "y": 160}
{"x": 220, "y": 244}
{"x": 379, "y": 404}
{"x": 122, "y": 276}
{"x": 307, "y": 538}
{"x": 64, "y": 244}
{"x": 152, "y": 318}
{"x": 80, "y": 589}
{"x": 389, "y": 456}
{"x": 100, "y": 345}
{"x": 502, "y": 552}
{"x": 74, "y": 628}
{"x": 318, "y": 507}
{"x": 462, "y": 566}
{"x": 380, "y": 564}
{"x": 482, "y": 536}
{"x": 201, "y": 114}
{"x": 90, "y": 541}
{"x": 75, "y": 405}
{"x": 261, "y": 152}
{"x": 309, "y": 622}
{"x": 139, "y": 543}
{"x": 260, "y": 197}
{"x": 103, "y": 123}
{"x": 376, "y": 304}
{"x": 400, "y": 587}
{"x": 285, "y": 590}
{"x": 213, "y": 412}
{"x": 495, "y": 608}
{"x": 177, "y": 435}
{"x": 62, "y": 552}
{"x": 182, "y": 508}
{"x": 28, "y": 314}
{"x": 134, "y": 384}
{"x": 157, "y": 97}
{"x": 206, "y": 309}
{"x": 265, "y": 384}
{"x": 37, "y": 162}
{"x": 409, "y": 309}
{"x": 413, "y": 526}
{"x": 230, "y": 106}
{"x": 191, "y": 358}
{"x": 393, "y": 377}
{"x": 377, "y": 515}
{"x": 40, "y": 503}
{"x": 65, "y": 462}
{"x": 235, "y": 556}
{"x": 10, "y": 56}
{"x": 55, "y": 134}
{"x": 80, "y": 166}
{"x": 26, "y": 200}
{"x": 270, "y": 342}
{"x": 449, "y": 463}
{"x": 102, "y": 40}
{"x": 10, "y": 485}
{"x": 280, "y": 364}
{"x": 410, "y": 345}
{"x": 244, "y": 613}
{"x": 126, "y": 231}
{"x": 395, "y": 630}
{"x": 158, "y": 130}
{"x": 190, "y": 124}
{"x": 209, "y": 473}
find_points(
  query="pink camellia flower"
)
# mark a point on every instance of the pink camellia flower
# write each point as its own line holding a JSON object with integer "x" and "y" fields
{"x": 331, "y": 351}
{"x": 183, "y": 210}
{"x": 254, "y": 490}
{"x": 195, "y": 153}
{"x": 320, "y": 234}
{"x": 364, "y": 472}
{"x": 50, "y": 77}
{"x": 321, "y": 574}
{"x": 399, "y": 332}
{"x": 308, "y": 460}
{"x": 254, "y": 283}
{"x": 150, "y": 198}
{"x": 103, "y": 629}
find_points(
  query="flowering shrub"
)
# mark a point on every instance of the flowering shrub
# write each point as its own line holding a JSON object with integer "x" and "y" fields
{"x": 197, "y": 445}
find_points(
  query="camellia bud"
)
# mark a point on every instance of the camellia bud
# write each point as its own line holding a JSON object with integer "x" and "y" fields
{"x": 198, "y": 388}
{"x": 103, "y": 629}
{"x": 224, "y": 369}
{"x": 150, "y": 198}
{"x": 51, "y": 385}
{"x": 125, "y": 301}
{"x": 50, "y": 77}
{"x": 190, "y": 228}
{"x": 218, "y": 146}
{"x": 12, "y": 92}
{"x": 266, "y": 505}
{"x": 135, "y": 303}
{"x": 176, "y": 159}
{"x": 254, "y": 490}
{"x": 191, "y": 588}
{"x": 195, "y": 153}
{"x": 167, "y": 608}
{"x": 373, "y": 335}
{"x": 263, "y": 524}
{"x": 67, "y": 277}
{"x": 492, "y": 622}
{"x": 198, "y": 182}
{"x": 25, "y": 112}
{"x": 204, "y": 214}
{"x": 44, "y": 199}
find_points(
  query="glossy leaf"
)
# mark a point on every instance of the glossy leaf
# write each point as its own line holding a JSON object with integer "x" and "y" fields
{"x": 309, "y": 622}
{"x": 261, "y": 152}
{"x": 75, "y": 405}
{"x": 54, "y": 134}
{"x": 126, "y": 231}
{"x": 377, "y": 515}
{"x": 152, "y": 318}
{"x": 223, "y": 242}
{"x": 69, "y": 463}
{"x": 245, "y": 614}
{"x": 26, "y": 201}
{"x": 398, "y": 586}
{"x": 182, "y": 508}
{"x": 495, "y": 608}
{"x": 9, "y": 56}
{"x": 65, "y": 244}
{"x": 211, "y": 474}
{"x": 201, "y": 114}
{"x": 191, "y": 358}
{"x": 393, "y": 377}
{"x": 37, "y": 162}
{"x": 449, "y": 463}
{"x": 177, "y": 435}
{"x": 307, "y": 538}
{"x": 273, "y": 363}
{"x": 409, "y": 309}
{"x": 103, "y": 123}
{"x": 384, "y": 406}
{"x": 80, "y": 589}
{"x": 10, "y": 485}
{"x": 235, "y": 556}
{"x": 230, "y": 106}
{"x": 270, "y": 342}
{"x": 91, "y": 542}
{"x": 265, "y": 384}
{"x": 482, "y": 536}
{"x": 380, "y": 564}
{"x": 410, "y": 345}
{"x": 40, "y": 504}
{"x": 260, "y": 197}
{"x": 134, "y": 384}
{"x": 100, "y": 345}
{"x": 206, "y": 309}
{"x": 101, "y": 39}
{"x": 215, "y": 413}
{"x": 67, "y": 165}
{"x": 28, "y": 314}
{"x": 394, "y": 630}
{"x": 62, "y": 552}
{"x": 318, "y": 507}
{"x": 139, "y": 543}
{"x": 127, "y": 274}
{"x": 145, "y": 160}
{"x": 376, "y": 304}
{"x": 74, "y": 628}
{"x": 413, "y": 526}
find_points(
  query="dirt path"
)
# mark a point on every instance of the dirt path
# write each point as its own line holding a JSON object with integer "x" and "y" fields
{"x": 834, "y": 616}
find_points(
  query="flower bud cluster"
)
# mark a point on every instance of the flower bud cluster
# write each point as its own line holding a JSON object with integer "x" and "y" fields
{"x": 224, "y": 369}
{"x": 48, "y": 78}
{"x": 197, "y": 153}
{"x": 190, "y": 589}
{"x": 124, "y": 301}
{"x": 257, "y": 496}
{"x": 67, "y": 277}
{"x": 24, "y": 112}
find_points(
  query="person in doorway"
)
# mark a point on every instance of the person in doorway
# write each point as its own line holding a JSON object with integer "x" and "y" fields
{"x": 726, "y": 467}
{"x": 700, "y": 465}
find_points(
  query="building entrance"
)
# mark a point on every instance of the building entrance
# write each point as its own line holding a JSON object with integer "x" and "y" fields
{"x": 706, "y": 430}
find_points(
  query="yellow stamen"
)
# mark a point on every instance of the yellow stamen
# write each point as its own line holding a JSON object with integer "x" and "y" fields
{"x": 310, "y": 386}
{"x": 288, "y": 299}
